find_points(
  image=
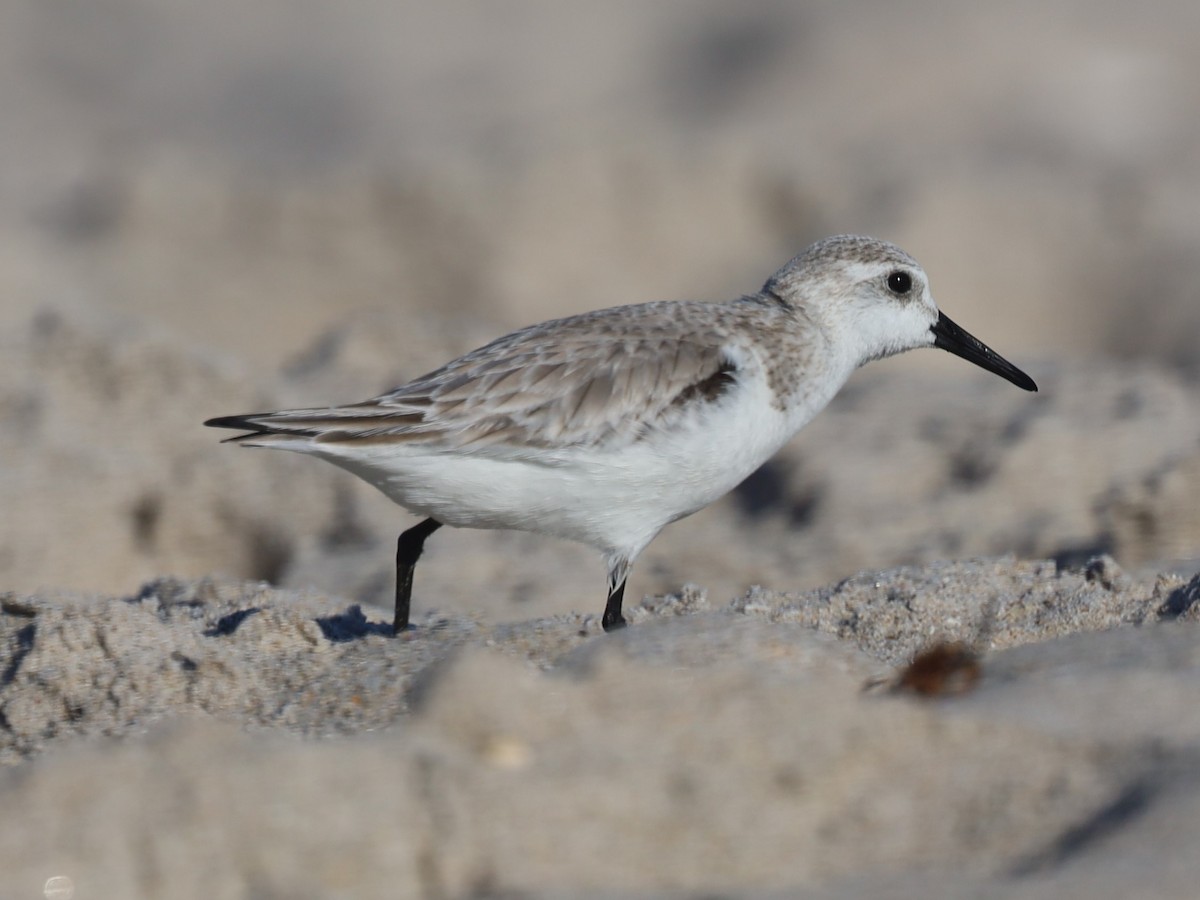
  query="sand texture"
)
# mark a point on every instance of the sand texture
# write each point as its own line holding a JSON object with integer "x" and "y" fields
{"x": 729, "y": 748}
{"x": 943, "y": 645}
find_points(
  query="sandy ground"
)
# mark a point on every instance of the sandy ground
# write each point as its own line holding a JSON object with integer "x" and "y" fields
{"x": 229, "y": 207}
{"x": 767, "y": 744}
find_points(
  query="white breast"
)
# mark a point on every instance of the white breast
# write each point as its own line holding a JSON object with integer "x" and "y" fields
{"x": 612, "y": 498}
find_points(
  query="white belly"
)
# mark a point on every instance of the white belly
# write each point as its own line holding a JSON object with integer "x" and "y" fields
{"x": 615, "y": 499}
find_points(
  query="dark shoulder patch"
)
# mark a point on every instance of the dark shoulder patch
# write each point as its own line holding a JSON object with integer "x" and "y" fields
{"x": 709, "y": 389}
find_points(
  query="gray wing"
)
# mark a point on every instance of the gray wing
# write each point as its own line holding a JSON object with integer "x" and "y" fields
{"x": 601, "y": 378}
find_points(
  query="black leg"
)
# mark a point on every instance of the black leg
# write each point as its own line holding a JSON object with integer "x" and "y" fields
{"x": 612, "y": 610}
{"x": 408, "y": 551}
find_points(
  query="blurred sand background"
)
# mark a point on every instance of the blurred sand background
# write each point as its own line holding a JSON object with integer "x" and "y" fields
{"x": 222, "y": 207}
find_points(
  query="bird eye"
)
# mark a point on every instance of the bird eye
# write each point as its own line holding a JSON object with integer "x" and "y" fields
{"x": 899, "y": 282}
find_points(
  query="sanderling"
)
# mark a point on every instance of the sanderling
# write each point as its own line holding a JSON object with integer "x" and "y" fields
{"x": 605, "y": 427}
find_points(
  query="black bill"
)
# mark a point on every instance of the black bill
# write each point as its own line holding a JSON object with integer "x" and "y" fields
{"x": 949, "y": 336}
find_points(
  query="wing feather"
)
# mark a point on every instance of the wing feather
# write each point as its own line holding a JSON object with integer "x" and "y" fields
{"x": 600, "y": 378}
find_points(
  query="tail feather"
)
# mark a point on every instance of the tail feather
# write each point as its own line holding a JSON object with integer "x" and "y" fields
{"x": 245, "y": 422}
{"x": 258, "y": 425}
{"x": 335, "y": 423}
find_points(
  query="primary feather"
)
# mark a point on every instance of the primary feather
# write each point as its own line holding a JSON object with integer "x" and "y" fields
{"x": 607, "y": 378}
